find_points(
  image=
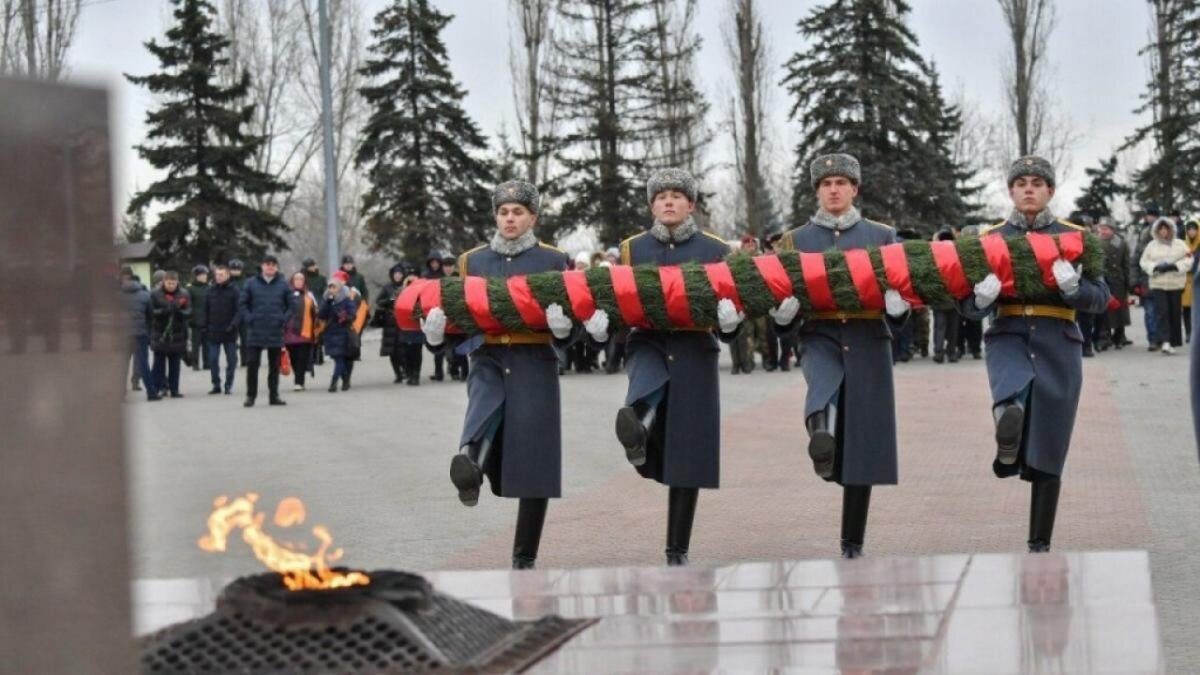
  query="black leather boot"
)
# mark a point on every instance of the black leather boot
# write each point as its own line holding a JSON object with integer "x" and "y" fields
{"x": 1042, "y": 508}
{"x": 681, "y": 512}
{"x": 333, "y": 385}
{"x": 822, "y": 445}
{"x": 531, "y": 515}
{"x": 1010, "y": 422}
{"x": 633, "y": 430}
{"x": 466, "y": 470}
{"x": 346, "y": 382}
{"x": 856, "y": 503}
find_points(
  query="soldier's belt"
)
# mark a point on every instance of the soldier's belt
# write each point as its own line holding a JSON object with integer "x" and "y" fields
{"x": 1050, "y": 311}
{"x": 864, "y": 315}
{"x": 519, "y": 339}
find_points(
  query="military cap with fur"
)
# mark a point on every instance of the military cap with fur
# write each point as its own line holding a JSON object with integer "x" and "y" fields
{"x": 1031, "y": 165}
{"x": 671, "y": 179}
{"x": 837, "y": 164}
{"x": 516, "y": 192}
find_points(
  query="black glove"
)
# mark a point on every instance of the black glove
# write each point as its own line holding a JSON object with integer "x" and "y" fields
{"x": 1163, "y": 267}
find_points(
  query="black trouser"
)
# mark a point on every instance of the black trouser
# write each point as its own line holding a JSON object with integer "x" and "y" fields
{"x": 970, "y": 336}
{"x": 1116, "y": 327}
{"x": 1170, "y": 326}
{"x": 396, "y": 357}
{"x": 945, "y": 332}
{"x": 301, "y": 355}
{"x": 412, "y": 355}
{"x": 439, "y": 360}
{"x": 1086, "y": 321}
{"x": 199, "y": 347}
{"x": 254, "y": 357}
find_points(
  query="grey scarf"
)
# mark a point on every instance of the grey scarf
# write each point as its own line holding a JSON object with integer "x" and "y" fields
{"x": 682, "y": 232}
{"x": 843, "y": 222}
{"x": 1043, "y": 220}
{"x": 511, "y": 247}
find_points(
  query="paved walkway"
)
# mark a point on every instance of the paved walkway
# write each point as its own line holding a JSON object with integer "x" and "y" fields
{"x": 372, "y": 465}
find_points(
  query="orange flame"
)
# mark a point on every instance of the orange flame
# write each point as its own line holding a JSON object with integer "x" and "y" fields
{"x": 300, "y": 571}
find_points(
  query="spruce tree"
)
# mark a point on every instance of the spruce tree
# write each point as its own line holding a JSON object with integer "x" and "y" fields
{"x": 1097, "y": 197}
{"x": 600, "y": 89}
{"x": 429, "y": 186}
{"x": 860, "y": 87}
{"x": 677, "y": 132}
{"x": 196, "y": 137}
{"x": 1173, "y": 100}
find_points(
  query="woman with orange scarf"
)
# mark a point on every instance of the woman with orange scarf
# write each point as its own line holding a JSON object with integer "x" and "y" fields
{"x": 300, "y": 332}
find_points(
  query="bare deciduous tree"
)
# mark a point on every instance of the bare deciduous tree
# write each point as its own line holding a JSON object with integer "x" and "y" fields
{"x": 35, "y": 36}
{"x": 265, "y": 40}
{"x": 1036, "y": 126}
{"x": 1030, "y": 23}
{"x": 531, "y": 55}
{"x": 748, "y": 55}
{"x": 679, "y": 135}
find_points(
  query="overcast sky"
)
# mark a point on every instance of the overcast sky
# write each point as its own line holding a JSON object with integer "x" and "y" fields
{"x": 1097, "y": 72}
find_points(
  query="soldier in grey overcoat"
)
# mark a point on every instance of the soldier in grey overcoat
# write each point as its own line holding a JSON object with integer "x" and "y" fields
{"x": 846, "y": 357}
{"x": 670, "y": 425}
{"x": 513, "y": 433}
{"x": 1035, "y": 353}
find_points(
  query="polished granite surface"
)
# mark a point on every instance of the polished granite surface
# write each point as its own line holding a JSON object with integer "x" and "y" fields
{"x": 1050, "y": 613}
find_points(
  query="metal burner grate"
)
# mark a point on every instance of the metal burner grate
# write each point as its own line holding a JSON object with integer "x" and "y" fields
{"x": 397, "y": 624}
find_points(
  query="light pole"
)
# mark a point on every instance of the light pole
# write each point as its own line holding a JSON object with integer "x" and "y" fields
{"x": 331, "y": 205}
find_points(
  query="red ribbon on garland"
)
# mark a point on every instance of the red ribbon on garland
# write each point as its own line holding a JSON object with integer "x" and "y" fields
{"x": 675, "y": 295}
{"x": 406, "y": 304}
{"x": 895, "y": 268}
{"x": 522, "y": 296}
{"x": 625, "y": 289}
{"x": 999, "y": 260}
{"x": 583, "y": 305}
{"x": 1071, "y": 245}
{"x": 775, "y": 276}
{"x": 945, "y": 255}
{"x": 812, "y": 266}
{"x": 721, "y": 280}
{"x": 1045, "y": 252}
{"x": 862, "y": 273}
{"x": 475, "y": 293}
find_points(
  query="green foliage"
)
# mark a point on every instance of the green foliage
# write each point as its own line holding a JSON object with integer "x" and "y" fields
{"x": 860, "y": 86}
{"x": 429, "y": 186}
{"x": 196, "y": 139}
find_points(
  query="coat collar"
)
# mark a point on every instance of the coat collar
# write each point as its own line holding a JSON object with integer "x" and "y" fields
{"x": 682, "y": 232}
{"x": 843, "y": 222}
{"x": 511, "y": 247}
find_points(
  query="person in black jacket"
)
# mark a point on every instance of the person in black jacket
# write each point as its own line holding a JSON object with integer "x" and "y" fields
{"x": 266, "y": 306}
{"x": 385, "y": 318}
{"x": 357, "y": 280}
{"x": 170, "y": 309}
{"x": 221, "y": 330}
{"x": 197, "y": 291}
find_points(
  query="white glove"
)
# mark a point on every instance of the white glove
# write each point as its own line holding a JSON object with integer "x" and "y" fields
{"x": 987, "y": 291}
{"x": 1066, "y": 276}
{"x": 786, "y": 311}
{"x": 896, "y": 305}
{"x": 434, "y": 327}
{"x": 728, "y": 317}
{"x": 558, "y": 322}
{"x": 597, "y": 326}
